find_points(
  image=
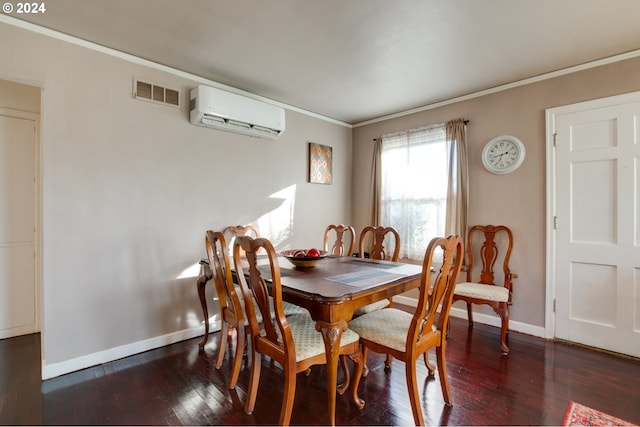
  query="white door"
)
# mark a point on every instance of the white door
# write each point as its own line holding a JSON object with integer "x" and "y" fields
{"x": 17, "y": 225}
{"x": 597, "y": 232}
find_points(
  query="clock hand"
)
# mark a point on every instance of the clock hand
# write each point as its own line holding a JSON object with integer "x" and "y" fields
{"x": 500, "y": 155}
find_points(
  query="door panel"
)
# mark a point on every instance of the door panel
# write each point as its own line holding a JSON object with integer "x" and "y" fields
{"x": 17, "y": 294}
{"x": 597, "y": 265}
{"x": 593, "y": 196}
{"x": 593, "y": 294}
{"x": 17, "y": 213}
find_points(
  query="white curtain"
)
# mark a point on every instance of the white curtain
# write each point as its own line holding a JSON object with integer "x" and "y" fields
{"x": 414, "y": 186}
{"x": 420, "y": 184}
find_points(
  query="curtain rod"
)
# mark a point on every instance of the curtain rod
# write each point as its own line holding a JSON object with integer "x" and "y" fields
{"x": 466, "y": 122}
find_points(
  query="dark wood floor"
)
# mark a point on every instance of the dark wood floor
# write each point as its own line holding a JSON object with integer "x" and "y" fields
{"x": 178, "y": 385}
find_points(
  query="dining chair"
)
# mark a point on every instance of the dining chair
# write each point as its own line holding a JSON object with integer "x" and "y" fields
{"x": 291, "y": 341}
{"x": 491, "y": 244}
{"x": 373, "y": 239}
{"x": 407, "y": 336}
{"x": 230, "y": 234}
{"x": 231, "y": 303}
{"x": 229, "y": 300}
{"x": 338, "y": 247}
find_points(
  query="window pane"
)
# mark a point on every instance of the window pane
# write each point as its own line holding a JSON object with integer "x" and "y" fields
{"x": 414, "y": 187}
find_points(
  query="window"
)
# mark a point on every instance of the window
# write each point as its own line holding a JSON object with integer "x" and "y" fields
{"x": 414, "y": 176}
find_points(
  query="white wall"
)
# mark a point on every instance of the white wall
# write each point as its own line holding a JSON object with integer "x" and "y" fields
{"x": 129, "y": 188}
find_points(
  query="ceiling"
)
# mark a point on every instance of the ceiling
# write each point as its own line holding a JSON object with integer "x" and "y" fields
{"x": 356, "y": 60}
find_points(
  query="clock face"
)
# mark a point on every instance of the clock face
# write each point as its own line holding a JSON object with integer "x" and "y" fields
{"x": 503, "y": 154}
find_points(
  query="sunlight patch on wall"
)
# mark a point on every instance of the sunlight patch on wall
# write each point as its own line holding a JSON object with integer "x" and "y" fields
{"x": 192, "y": 319}
{"x": 190, "y": 272}
{"x": 278, "y": 224}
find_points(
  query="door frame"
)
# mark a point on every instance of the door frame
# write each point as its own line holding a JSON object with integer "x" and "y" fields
{"x": 551, "y": 242}
{"x": 37, "y": 194}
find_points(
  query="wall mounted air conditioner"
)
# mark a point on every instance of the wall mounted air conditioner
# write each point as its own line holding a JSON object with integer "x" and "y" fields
{"x": 219, "y": 109}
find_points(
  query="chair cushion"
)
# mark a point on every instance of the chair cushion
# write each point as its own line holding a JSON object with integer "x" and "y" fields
{"x": 388, "y": 327}
{"x": 371, "y": 307}
{"x": 308, "y": 341}
{"x": 481, "y": 291}
{"x": 291, "y": 309}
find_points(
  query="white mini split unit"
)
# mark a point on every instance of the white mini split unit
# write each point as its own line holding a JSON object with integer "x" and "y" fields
{"x": 219, "y": 109}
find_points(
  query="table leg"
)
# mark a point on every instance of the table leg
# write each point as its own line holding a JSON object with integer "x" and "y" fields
{"x": 331, "y": 335}
{"x": 202, "y": 284}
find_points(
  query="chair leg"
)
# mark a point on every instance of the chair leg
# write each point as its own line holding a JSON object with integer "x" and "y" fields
{"x": 222, "y": 345}
{"x": 470, "y": 314}
{"x": 288, "y": 396}
{"x": 414, "y": 395}
{"x": 254, "y": 379}
{"x": 442, "y": 372}
{"x": 237, "y": 361}
{"x": 345, "y": 369}
{"x": 201, "y": 284}
{"x": 359, "y": 366}
{"x": 430, "y": 367}
{"x": 387, "y": 361}
{"x": 503, "y": 312}
{"x": 365, "y": 370}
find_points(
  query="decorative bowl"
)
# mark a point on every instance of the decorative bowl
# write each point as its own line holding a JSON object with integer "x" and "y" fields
{"x": 296, "y": 257}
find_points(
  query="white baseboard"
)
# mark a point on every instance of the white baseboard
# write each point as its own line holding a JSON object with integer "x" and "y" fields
{"x": 82, "y": 362}
{"x": 17, "y": 331}
{"x": 525, "y": 328}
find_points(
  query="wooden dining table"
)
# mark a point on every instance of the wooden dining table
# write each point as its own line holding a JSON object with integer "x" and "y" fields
{"x": 332, "y": 291}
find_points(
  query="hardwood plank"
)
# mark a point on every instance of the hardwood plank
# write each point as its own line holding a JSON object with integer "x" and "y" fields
{"x": 178, "y": 385}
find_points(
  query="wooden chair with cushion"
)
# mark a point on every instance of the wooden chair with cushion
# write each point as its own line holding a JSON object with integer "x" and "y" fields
{"x": 376, "y": 250}
{"x": 489, "y": 244}
{"x": 291, "y": 341}
{"x": 407, "y": 336}
{"x": 231, "y": 303}
{"x": 341, "y": 231}
{"x": 231, "y": 308}
{"x": 229, "y": 234}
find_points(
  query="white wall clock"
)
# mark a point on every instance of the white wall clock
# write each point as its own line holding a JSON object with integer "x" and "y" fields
{"x": 503, "y": 154}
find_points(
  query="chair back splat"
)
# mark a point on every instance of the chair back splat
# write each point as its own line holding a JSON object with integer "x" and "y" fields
{"x": 377, "y": 249}
{"x": 489, "y": 252}
{"x": 338, "y": 247}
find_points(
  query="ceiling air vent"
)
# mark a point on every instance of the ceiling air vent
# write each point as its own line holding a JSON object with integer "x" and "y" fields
{"x": 156, "y": 93}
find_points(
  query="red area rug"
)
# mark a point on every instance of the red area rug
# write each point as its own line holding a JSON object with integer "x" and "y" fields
{"x": 580, "y": 415}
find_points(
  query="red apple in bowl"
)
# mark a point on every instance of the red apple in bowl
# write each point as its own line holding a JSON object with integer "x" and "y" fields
{"x": 313, "y": 253}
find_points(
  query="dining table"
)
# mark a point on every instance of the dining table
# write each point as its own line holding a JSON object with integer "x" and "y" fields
{"x": 331, "y": 291}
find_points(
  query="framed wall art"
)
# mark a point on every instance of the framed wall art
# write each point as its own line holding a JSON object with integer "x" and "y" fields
{"x": 320, "y": 163}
